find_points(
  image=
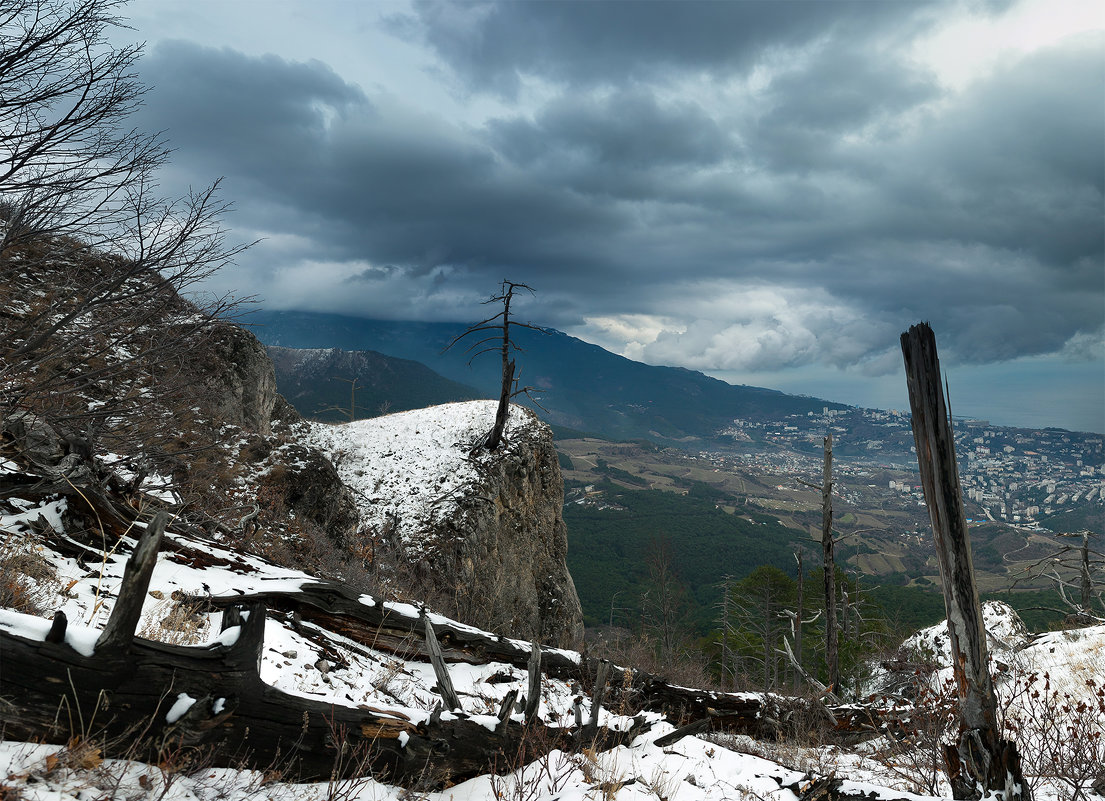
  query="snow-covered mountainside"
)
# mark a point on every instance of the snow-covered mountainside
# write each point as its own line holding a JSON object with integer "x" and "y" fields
{"x": 484, "y": 528}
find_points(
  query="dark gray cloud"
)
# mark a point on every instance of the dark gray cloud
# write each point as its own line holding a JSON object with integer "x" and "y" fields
{"x": 386, "y": 184}
{"x": 492, "y": 45}
{"x": 627, "y": 131}
{"x": 719, "y": 185}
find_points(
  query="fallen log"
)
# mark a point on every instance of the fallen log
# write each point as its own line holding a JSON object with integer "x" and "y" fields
{"x": 398, "y": 629}
{"x": 774, "y": 717}
{"x": 148, "y": 700}
{"x": 833, "y": 788}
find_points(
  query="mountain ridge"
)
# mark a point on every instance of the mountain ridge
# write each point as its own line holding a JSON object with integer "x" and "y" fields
{"x": 581, "y": 385}
{"x": 332, "y": 385}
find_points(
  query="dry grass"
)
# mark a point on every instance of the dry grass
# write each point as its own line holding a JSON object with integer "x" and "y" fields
{"x": 175, "y": 623}
{"x": 28, "y": 582}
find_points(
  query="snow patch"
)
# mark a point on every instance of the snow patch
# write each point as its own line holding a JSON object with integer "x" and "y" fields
{"x": 183, "y": 703}
{"x": 408, "y": 470}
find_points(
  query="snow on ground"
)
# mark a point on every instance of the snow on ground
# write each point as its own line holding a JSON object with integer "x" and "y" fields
{"x": 324, "y": 665}
{"x": 1070, "y": 658}
{"x": 1050, "y": 690}
{"x": 690, "y": 770}
{"x": 406, "y": 469}
{"x": 401, "y": 461}
{"x": 85, "y": 588}
{"x": 1005, "y": 633}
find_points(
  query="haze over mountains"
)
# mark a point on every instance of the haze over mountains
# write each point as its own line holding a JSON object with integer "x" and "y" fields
{"x": 581, "y": 386}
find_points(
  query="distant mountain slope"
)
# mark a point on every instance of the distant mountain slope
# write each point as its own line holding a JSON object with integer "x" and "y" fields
{"x": 319, "y": 383}
{"x": 583, "y": 386}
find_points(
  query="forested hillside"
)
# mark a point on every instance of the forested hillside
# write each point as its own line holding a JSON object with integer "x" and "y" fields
{"x": 335, "y": 386}
{"x": 616, "y": 534}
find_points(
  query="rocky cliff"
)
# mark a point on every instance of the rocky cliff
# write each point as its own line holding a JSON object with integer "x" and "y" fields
{"x": 241, "y": 380}
{"x": 482, "y": 533}
{"x": 294, "y": 487}
{"x": 511, "y": 543}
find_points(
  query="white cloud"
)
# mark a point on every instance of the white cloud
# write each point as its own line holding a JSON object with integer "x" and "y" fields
{"x": 1085, "y": 346}
{"x": 974, "y": 43}
{"x": 626, "y": 334}
{"x": 728, "y": 326}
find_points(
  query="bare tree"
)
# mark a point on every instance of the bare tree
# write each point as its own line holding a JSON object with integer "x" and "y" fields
{"x": 664, "y": 603}
{"x": 67, "y": 159}
{"x": 724, "y": 607}
{"x": 832, "y": 637}
{"x": 797, "y": 621}
{"x": 93, "y": 261}
{"x": 351, "y": 412}
{"x": 500, "y": 341}
{"x": 1071, "y": 560}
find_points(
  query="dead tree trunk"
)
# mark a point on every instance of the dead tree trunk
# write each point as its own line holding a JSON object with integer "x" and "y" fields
{"x": 1085, "y": 583}
{"x": 980, "y": 763}
{"x": 495, "y": 437}
{"x": 799, "y": 611}
{"x": 828, "y": 560}
{"x": 726, "y": 590}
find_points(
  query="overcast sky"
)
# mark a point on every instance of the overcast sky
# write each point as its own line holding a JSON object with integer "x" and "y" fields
{"x": 767, "y": 192}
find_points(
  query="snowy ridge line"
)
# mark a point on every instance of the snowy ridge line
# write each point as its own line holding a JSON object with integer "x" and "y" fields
{"x": 408, "y": 470}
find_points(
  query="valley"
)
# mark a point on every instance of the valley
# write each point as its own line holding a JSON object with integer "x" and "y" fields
{"x": 623, "y": 496}
{"x": 884, "y": 535}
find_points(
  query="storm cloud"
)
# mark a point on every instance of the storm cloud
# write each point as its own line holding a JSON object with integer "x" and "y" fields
{"x": 723, "y": 186}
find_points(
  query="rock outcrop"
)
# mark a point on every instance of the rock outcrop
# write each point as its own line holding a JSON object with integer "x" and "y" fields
{"x": 241, "y": 380}
{"x": 1005, "y": 634}
{"x": 480, "y": 534}
{"x": 512, "y": 547}
{"x": 293, "y": 480}
{"x": 199, "y": 422}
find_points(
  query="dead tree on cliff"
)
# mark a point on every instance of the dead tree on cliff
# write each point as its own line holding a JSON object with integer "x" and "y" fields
{"x": 980, "y": 763}
{"x": 499, "y": 340}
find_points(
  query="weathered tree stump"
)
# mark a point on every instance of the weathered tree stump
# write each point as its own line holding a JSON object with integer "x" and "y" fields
{"x": 981, "y": 763}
